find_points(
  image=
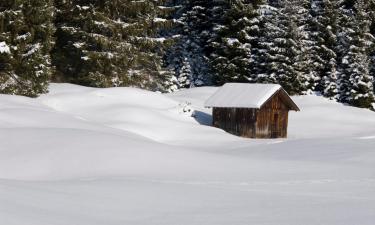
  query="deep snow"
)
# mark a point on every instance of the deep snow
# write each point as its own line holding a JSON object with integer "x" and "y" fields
{"x": 120, "y": 156}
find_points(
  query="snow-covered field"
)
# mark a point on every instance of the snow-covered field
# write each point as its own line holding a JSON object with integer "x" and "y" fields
{"x": 123, "y": 156}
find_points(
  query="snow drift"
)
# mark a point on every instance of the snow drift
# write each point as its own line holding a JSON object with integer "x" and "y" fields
{"x": 127, "y": 156}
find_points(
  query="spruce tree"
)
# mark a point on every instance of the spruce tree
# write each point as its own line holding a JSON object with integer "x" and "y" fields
{"x": 326, "y": 26}
{"x": 372, "y": 31}
{"x": 26, "y": 30}
{"x": 260, "y": 40}
{"x": 356, "y": 83}
{"x": 195, "y": 22}
{"x": 231, "y": 58}
{"x": 304, "y": 61}
{"x": 284, "y": 49}
{"x": 263, "y": 48}
{"x": 185, "y": 72}
{"x": 110, "y": 43}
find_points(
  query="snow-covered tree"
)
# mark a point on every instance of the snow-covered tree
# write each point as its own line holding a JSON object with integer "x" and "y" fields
{"x": 197, "y": 22}
{"x": 325, "y": 25}
{"x": 110, "y": 43}
{"x": 263, "y": 44}
{"x": 304, "y": 23}
{"x": 185, "y": 77}
{"x": 231, "y": 56}
{"x": 356, "y": 83}
{"x": 284, "y": 53}
{"x": 372, "y": 31}
{"x": 260, "y": 40}
{"x": 26, "y": 30}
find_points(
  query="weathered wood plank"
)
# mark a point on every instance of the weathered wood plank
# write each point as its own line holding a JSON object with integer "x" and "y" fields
{"x": 271, "y": 121}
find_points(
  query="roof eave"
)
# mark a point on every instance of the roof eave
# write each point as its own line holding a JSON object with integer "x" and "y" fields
{"x": 237, "y": 107}
{"x": 293, "y": 107}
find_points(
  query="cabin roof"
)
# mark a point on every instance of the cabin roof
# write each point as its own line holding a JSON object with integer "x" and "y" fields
{"x": 245, "y": 95}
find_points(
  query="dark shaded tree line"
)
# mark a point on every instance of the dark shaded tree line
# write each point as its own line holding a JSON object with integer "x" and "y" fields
{"x": 88, "y": 42}
{"x": 325, "y": 46}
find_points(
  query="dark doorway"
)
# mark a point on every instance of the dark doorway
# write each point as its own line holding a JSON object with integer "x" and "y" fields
{"x": 275, "y": 126}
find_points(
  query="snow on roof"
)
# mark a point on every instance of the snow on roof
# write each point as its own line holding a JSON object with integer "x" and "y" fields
{"x": 242, "y": 95}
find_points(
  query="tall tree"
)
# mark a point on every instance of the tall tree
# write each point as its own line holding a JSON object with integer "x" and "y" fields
{"x": 231, "y": 58}
{"x": 263, "y": 44}
{"x": 356, "y": 83}
{"x": 196, "y": 28}
{"x": 109, "y": 43}
{"x": 372, "y": 31}
{"x": 284, "y": 53}
{"x": 26, "y": 30}
{"x": 325, "y": 24}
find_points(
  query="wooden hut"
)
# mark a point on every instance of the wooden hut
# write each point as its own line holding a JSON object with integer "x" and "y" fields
{"x": 252, "y": 110}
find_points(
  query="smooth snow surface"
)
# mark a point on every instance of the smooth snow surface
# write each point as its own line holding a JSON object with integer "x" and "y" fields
{"x": 123, "y": 156}
{"x": 242, "y": 95}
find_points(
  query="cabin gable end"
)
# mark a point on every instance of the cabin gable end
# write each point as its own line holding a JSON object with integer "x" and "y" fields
{"x": 252, "y": 110}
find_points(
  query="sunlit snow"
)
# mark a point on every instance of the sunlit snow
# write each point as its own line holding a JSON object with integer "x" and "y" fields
{"x": 121, "y": 156}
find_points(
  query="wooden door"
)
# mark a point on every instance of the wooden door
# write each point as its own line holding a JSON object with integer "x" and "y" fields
{"x": 275, "y": 126}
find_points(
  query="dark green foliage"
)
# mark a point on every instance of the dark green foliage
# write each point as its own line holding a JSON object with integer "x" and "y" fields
{"x": 305, "y": 45}
{"x": 372, "y": 31}
{"x": 284, "y": 50}
{"x": 260, "y": 38}
{"x": 356, "y": 82}
{"x": 26, "y": 30}
{"x": 325, "y": 25}
{"x": 231, "y": 56}
{"x": 196, "y": 28}
{"x": 109, "y": 43}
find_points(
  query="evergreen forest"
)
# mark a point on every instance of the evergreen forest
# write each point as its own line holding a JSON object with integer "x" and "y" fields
{"x": 321, "y": 46}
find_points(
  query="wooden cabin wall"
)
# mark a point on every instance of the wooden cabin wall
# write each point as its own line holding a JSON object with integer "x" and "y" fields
{"x": 272, "y": 120}
{"x": 238, "y": 121}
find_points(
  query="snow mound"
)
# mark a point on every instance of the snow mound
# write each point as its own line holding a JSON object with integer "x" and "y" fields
{"x": 323, "y": 118}
{"x": 118, "y": 156}
{"x": 145, "y": 113}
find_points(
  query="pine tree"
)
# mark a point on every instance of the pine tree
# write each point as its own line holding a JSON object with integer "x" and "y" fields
{"x": 372, "y": 31}
{"x": 263, "y": 46}
{"x": 185, "y": 72}
{"x": 110, "y": 43}
{"x": 356, "y": 83}
{"x": 304, "y": 61}
{"x": 231, "y": 58}
{"x": 197, "y": 23}
{"x": 25, "y": 38}
{"x": 326, "y": 26}
{"x": 305, "y": 28}
{"x": 284, "y": 53}
{"x": 260, "y": 39}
